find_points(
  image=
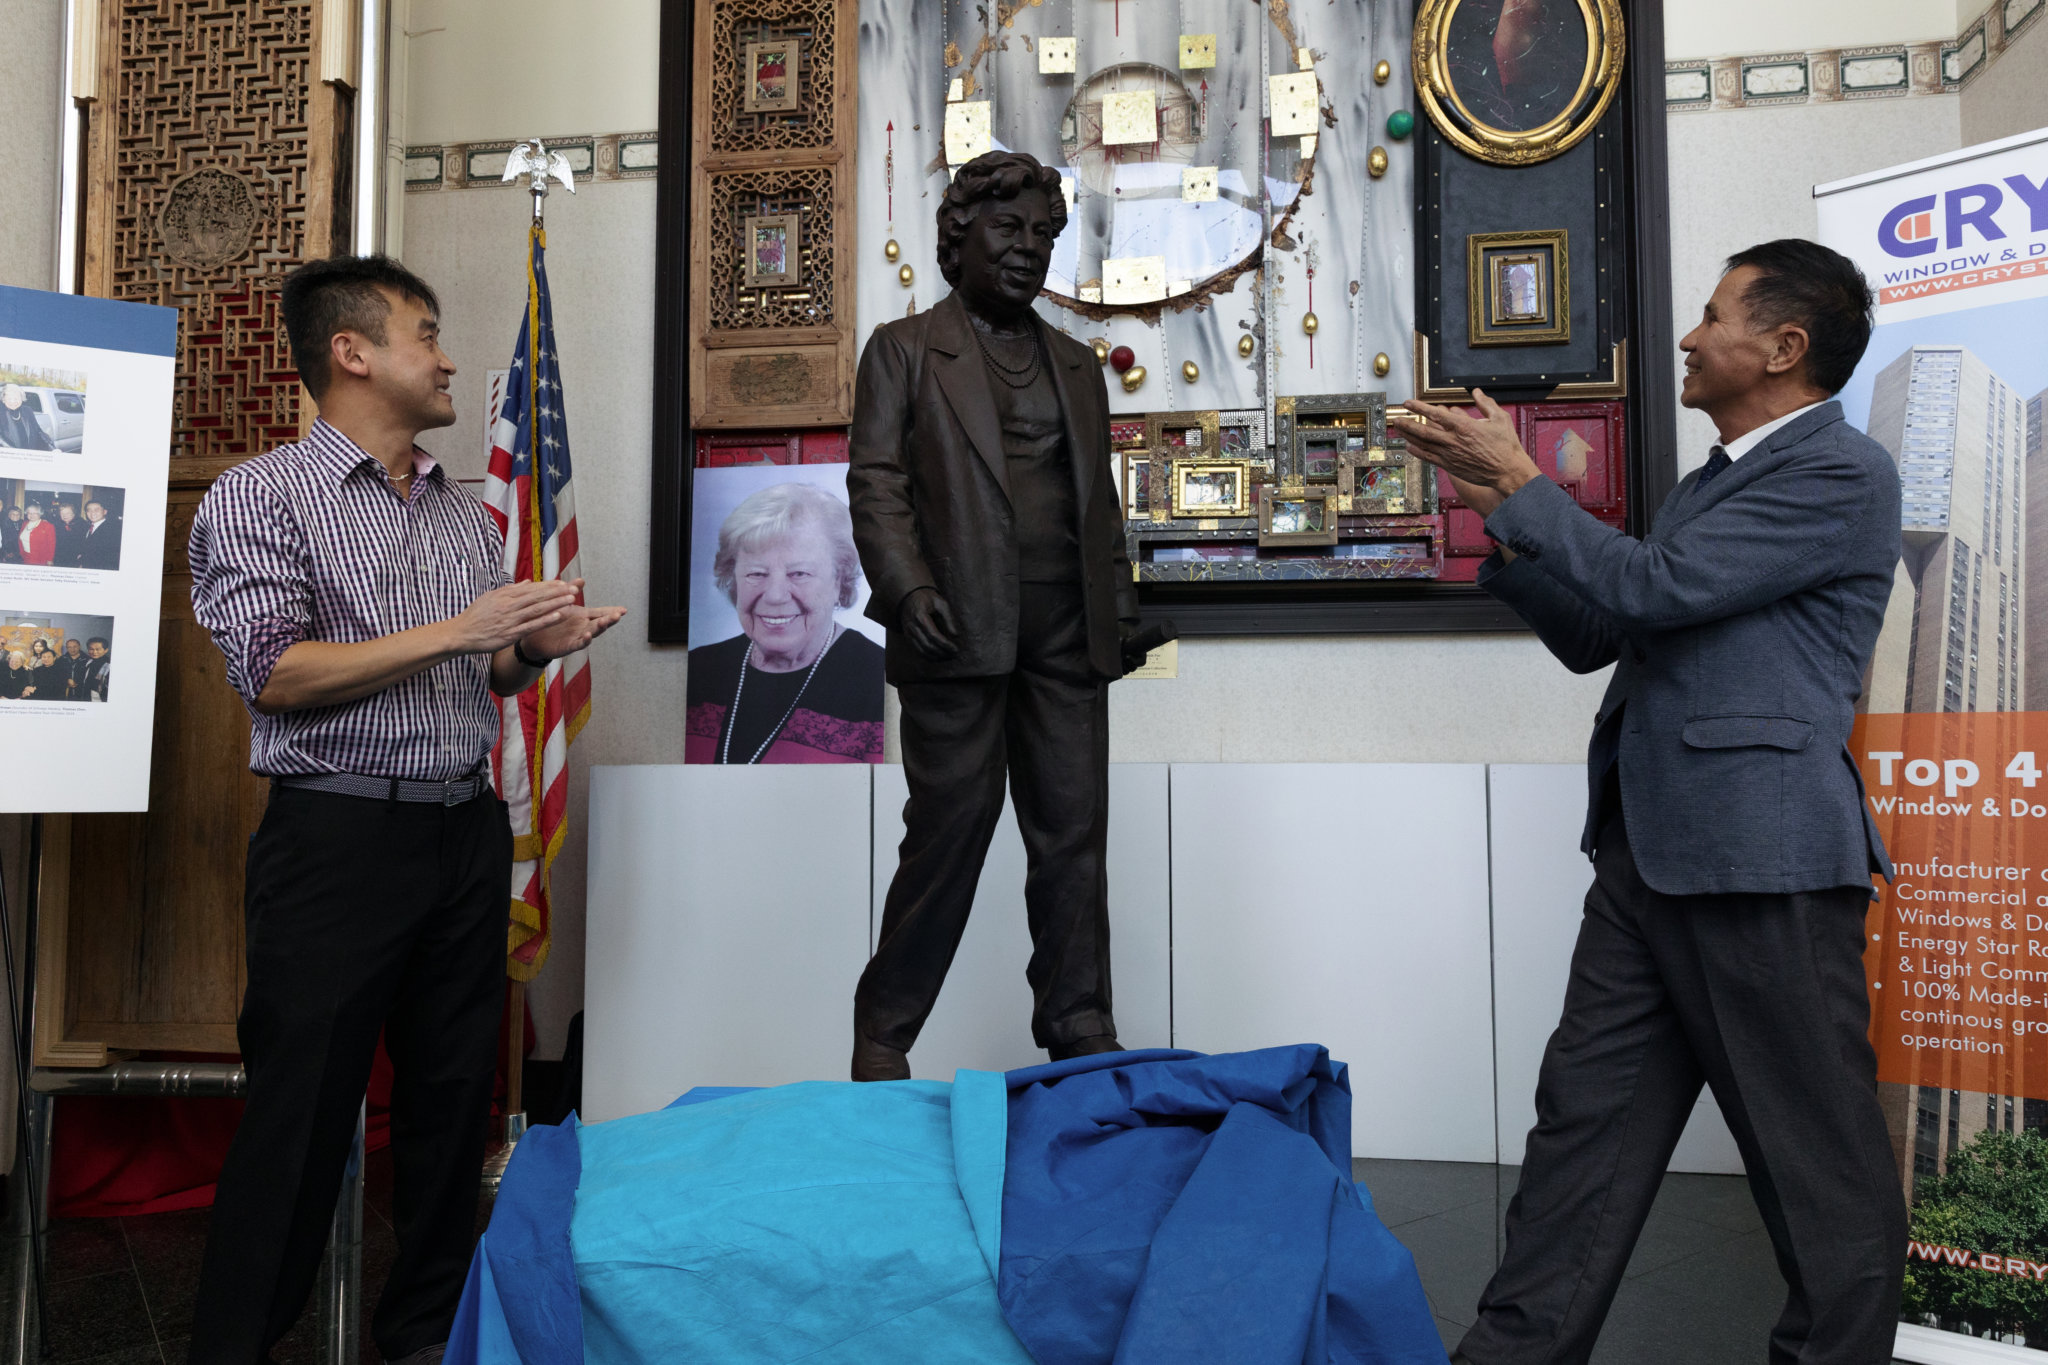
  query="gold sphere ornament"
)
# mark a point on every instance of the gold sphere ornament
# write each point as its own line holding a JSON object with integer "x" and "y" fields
{"x": 1245, "y": 345}
{"x": 1101, "y": 349}
{"x": 1190, "y": 371}
{"x": 1382, "y": 73}
{"x": 905, "y": 275}
{"x": 1381, "y": 364}
{"x": 1133, "y": 377}
{"x": 891, "y": 250}
{"x": 1309, "y": 323}
{"x": 1376, "y": 162}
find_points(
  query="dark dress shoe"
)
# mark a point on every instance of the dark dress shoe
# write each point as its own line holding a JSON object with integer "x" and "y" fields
{"x": 1086, "y": 1047}
{"x": 426, "y": 1355}
{"x": 877, "y": 1062}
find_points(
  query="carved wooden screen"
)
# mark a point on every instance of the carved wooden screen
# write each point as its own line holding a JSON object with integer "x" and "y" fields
{"x": 216, "y": 162}
{"x": 779, "y": 354}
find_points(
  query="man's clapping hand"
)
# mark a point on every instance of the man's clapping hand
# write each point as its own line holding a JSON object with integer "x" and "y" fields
{"x": 577, "y": 627}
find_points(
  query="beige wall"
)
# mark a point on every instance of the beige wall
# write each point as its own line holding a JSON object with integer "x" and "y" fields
{"x": 1742, "y": 176}
{"x": 2011, "y": 95}
{"x": 477, "y": 70}
{"x": 31, "y": 97}
{"x": 1726, "y": 28}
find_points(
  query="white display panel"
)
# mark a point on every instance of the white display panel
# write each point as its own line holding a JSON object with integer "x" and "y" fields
{"x": 727, "y": 925}
{"x": 1344, "y": 904}
{"x": 1539, "y": 890}
{"x": 85, "y": 425}
{"x": 983, "y": 1018}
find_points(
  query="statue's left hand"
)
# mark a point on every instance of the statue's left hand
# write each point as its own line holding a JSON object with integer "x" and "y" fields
{"x": 1137, "y": 643}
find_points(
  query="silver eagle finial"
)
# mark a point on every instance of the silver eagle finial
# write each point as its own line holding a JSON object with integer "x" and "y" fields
{"x": 531, "y": 158}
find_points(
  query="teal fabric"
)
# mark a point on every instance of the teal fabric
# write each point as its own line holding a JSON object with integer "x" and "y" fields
{"x": 981, "y": 1126}
{"x": 732, "y": 1230}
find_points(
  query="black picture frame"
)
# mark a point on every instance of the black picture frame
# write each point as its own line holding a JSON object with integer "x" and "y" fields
{"x": 668, "y": 559}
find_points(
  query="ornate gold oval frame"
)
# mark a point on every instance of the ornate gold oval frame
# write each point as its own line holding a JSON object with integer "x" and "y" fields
{"x": 1605, "y": 50}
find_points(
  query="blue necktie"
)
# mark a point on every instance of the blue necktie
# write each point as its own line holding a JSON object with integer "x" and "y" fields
{"x": 1717, "y": 460}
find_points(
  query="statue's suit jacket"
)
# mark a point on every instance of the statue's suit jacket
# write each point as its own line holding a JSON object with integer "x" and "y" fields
{"x": 929, "y": 485}
{"x": 1741, "y": 627}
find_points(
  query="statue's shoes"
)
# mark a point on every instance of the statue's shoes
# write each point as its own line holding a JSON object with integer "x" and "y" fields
{"x": 1086, "y": 1047}
{"x": 877, "y": 1062}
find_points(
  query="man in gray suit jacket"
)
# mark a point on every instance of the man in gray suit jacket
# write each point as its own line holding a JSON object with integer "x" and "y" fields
{"x": 1723, "y": 936}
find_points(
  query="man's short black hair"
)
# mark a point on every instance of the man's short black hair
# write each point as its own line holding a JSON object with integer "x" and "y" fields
{"x": 99, "y": 640}
{"x": 340, "y": 294}
{"x": 1806, "y": 284}
{"x": 992, "y": 175}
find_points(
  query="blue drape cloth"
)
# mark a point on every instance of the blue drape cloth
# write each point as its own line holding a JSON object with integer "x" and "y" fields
{"x": 1169, "y": 1206}
{"x": 1135, "y": 1207}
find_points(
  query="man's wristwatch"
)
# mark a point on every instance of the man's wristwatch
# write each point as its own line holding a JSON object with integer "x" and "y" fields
{"x": 519, "y": 653}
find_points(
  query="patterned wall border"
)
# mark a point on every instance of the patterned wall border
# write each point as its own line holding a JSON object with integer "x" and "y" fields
{"x": 478, "y": 165}
{"x": 1828, "y": 75}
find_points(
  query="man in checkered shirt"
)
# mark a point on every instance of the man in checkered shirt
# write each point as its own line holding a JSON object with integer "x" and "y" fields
{"x": 358, "y": 596}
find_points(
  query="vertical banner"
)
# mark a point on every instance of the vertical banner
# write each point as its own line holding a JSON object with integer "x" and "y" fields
{"x": 85, "y": 441}
{"x": 1953, "y": 742}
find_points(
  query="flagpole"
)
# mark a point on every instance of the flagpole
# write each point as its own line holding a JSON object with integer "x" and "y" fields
{"x": 531, "y": 158}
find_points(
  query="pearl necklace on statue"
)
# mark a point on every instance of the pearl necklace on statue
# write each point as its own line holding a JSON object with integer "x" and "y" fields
{"x": 1008, "y": 374}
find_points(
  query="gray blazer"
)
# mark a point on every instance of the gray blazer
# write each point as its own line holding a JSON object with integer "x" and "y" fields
{"x": 1741, "y": 627}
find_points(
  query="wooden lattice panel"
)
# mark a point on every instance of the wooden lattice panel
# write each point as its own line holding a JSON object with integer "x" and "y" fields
{"x": 207, "y": 211}
{"x": 736, "y": 23}
{"x": 809, "y": 195}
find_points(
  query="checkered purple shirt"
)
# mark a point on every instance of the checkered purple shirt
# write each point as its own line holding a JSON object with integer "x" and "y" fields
{"x": 312, "y": 542}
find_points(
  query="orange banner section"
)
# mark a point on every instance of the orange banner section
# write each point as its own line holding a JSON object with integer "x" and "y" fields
{"x": 1958, "y": 950}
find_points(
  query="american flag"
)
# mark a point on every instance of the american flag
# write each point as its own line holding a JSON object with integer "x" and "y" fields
{"x": 537, "y": 517}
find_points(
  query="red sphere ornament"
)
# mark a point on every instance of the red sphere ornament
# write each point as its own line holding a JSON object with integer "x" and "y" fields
{"x": 1122, "y": 358}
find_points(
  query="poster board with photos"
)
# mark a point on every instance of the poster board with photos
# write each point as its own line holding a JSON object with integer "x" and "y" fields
{"x": 85, "y": 428}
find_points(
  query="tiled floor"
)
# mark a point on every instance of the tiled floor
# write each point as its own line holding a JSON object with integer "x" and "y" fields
{"x": 1701, "y": 1290}
{"x": 121, "y": 1289}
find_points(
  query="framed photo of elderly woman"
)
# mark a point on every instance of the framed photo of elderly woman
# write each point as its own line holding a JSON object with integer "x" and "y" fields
{"x": 784, "y": 668}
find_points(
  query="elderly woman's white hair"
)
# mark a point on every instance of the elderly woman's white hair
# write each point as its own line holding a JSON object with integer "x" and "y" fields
{"x": 775, "y": 513}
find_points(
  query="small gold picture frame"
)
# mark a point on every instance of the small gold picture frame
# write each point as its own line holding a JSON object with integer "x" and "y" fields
{"x": 1518, "y": 288}
{"x": 771, "y": 75}
{"x": 1210, "y": 488}
{"x": 1401, "y": 487}
{"x": 1184, "y": 435}
{"x": 770, "y": 249}
{"x": 1136, "y": 485}
{"x": 1297, "y": 514}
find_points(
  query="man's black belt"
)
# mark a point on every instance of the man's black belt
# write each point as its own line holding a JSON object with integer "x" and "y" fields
{"x": 453, "y": 793}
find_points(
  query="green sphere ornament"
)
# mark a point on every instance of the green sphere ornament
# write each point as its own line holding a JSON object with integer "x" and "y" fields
{"x": 1400, "y": 123}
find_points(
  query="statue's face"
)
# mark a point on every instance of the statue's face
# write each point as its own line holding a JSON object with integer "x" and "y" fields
{"x": 1005, "y": 255}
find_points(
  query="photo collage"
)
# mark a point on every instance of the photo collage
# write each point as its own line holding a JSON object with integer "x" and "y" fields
{"x": 56, "y": 526}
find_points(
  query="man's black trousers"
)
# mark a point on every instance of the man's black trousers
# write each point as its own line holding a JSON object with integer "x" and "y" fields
{"x": 1046, "y": 726}
{"x": 1763, "y": 998}
{"x": 362, "y": 916}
